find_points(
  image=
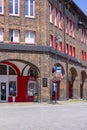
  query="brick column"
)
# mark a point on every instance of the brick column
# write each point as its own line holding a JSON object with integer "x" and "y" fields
{"x": 63, "y": 89}
{"x": 76, "y": 88}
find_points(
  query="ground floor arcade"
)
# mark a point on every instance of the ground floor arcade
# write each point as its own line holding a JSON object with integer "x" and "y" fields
{"x": 25, "y": 77}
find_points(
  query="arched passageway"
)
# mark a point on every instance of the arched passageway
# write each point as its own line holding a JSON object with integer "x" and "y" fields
{"x": 18, "y": 79}
{"x": 82, "y": 80}
{"x": 57, "y": 74}
{"x": 72, "y": 77}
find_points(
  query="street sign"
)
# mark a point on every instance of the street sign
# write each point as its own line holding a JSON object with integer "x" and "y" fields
{"x": 58, "y": 69}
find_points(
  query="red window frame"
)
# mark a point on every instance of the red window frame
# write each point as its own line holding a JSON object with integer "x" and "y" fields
{"x": 55, "y": 16}
{"x": 67, "y": 49}
{"x": 70, "y": 27}
{"x": 73, "y": 30}
{"x": 51, "y": 13}
{"x": 60, "y": 46}
{"x": 66, "y": 25}
{"x": 51, "y": 41}
{"x": 73, "y": 52}
{"x": 60, "y": 20}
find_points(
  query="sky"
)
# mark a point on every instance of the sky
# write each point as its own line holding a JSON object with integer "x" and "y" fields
{"x": 82, "y": 4}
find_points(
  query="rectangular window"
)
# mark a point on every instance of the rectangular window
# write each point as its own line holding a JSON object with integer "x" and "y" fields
{"x": 83, "y": 37}
{"x": 30, "y": 37}
{"x": 70, "y": 51}
{"x": 73, "y": 30}
{"x": 51, "y": 41}
{"x": 70, "y": 27}
{"x": 83, "y": 55}
{"x": 60, "y": 46}
{"x": 67, "y": 49}
{"x": 73, "y": 52}
{"x": 55, "y": 16}
{"x": 60, "y": 20}
{"x": 56, "y": 44}
{"x": 51, "y": 13}
{"x": 32, "y": 88}
{"x": 14, "y": 35}
{"x": 66, "y": 25}
{"x": 14, "y": 7}
{"x": 29, "y": 8}
{"x": 1, "y": 6}
{"x": 1, "y": 35}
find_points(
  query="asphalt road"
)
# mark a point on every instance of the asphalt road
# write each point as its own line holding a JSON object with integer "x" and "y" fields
{"x": 29, "y": 116}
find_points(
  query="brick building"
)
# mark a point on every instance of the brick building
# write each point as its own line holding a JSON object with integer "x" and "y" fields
{"x": 38, "y": 40}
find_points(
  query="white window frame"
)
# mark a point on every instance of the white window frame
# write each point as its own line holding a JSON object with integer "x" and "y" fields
{"x": 34, "y": 89}
{"x": 14, "y": 8}
{"x": 60, "y": 20}
{"x": 55, "y": 17}
{"x": 1, "y": 37}
{"x": 51, "y": 13}
{"x": 27, "y": 40}
{"x": 29, "y": 9}
{"x": 2, "y": 7}
{"x": 15, "y": 39}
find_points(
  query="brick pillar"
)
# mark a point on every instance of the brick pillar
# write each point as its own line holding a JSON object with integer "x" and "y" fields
{"x": 76, "y": 88}
{"x": 85, "y": 89}
{"x": 62, "y": 89}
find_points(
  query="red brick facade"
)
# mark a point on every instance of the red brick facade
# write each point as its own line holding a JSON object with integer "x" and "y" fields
{"x": 42, "y": 56}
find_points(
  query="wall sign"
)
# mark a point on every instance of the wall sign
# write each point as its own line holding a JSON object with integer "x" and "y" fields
{"x": 44, "y": 80}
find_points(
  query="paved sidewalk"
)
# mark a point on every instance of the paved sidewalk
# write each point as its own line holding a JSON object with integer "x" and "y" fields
{"x": 65, "y": 115}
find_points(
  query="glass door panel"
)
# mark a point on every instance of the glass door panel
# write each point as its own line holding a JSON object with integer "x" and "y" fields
{"x": 3, "y": 91}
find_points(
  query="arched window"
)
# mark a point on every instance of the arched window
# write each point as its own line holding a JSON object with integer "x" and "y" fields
{"x": 11, "y": 71}
{"x": 6, "y": 70}
{"x": 32, "y": 72}
{"x": 3, "y": 70}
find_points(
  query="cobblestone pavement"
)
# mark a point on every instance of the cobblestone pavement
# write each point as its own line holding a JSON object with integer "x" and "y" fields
{"x": 43, "y": 116}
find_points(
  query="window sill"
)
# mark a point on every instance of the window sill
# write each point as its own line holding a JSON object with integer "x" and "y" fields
{"x": 31, "y": 17}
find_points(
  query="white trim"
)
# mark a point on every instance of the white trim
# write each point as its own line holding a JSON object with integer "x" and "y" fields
{"x": 28, "y": 39}
{"x": 14, "y": 8}
{"x": 1, "y": 37}
{"x": 30, "y": 16}
{"x": 2, "y": 7}
{"x": 35, "y": 88}
{"x": 6, "y": 79}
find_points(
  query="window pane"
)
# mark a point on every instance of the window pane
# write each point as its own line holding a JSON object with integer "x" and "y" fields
{"x": 11, "y": 35}
{"x": 31, "y": 8}
{"x": 11, "y": 7}
{"x": 12, "y": 88}
{"x": 31, "y": 89}
{"x": 3, "y": 70}
{"x": 11, "y": 71}
{"x": 29, "y": 37}
{"x": 16, "y": 36}
{"x": 26, "y": 7}
{"x": 16, "y": 6}
{"x": 1, "y": 35}
{"x": 1, "y": 6}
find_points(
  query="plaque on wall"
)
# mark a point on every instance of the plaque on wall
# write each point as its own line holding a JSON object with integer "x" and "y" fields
{"x": 44, "y": 80}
